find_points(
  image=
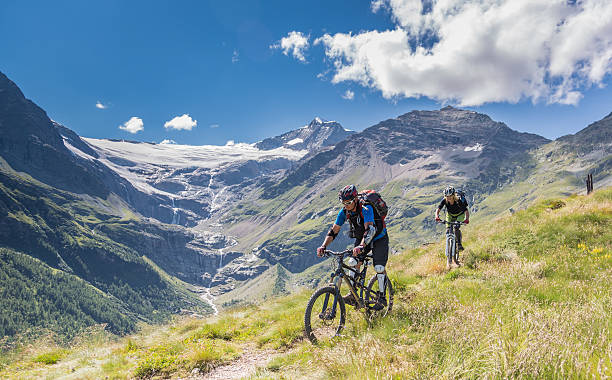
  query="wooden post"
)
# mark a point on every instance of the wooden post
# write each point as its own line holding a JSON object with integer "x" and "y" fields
{"x": 589, "y": 183}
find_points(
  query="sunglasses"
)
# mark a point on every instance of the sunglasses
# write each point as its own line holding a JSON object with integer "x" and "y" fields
{"x": 346, "y": 203}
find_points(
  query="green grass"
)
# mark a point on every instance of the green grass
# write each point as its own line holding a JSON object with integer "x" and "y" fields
{"x": 51, "y": 357}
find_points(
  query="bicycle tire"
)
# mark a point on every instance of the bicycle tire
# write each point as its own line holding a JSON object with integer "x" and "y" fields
{"x": 319, "y": 329}
{"x": 449, "y": 250}
{"x": 369, "y": 298}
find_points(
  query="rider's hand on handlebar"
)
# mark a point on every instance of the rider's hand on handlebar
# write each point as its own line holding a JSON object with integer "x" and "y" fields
{"x": 438, "y": 220}
{"x": 321, "y": 251}
{"x": 357, "y": 250}
{"x": 467, "y": 221}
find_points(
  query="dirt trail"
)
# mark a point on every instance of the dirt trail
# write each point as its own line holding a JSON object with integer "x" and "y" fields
{"x": 244, "y": 366}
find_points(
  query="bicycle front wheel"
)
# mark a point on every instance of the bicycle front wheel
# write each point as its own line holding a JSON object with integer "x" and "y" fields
{"x": 450, "y": 244}
{"x": 325, "y": 315}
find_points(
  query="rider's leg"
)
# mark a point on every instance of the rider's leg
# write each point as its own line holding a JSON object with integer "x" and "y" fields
{"x": 356, "y": 266}
{"x": 460, "y": 218}
{"x": 380, "y": 251}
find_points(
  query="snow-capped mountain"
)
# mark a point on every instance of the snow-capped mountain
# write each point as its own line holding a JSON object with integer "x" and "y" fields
{"x": 317, "y": 134}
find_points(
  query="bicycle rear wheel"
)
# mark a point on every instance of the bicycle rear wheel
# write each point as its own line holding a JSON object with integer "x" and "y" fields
{"x": 372, "y": 296}
{"x": 325, "y": 315}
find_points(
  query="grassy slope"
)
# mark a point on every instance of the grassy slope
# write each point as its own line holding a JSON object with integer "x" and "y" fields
{"x": 60, "y": 232}
{"x": 533, "y": 300}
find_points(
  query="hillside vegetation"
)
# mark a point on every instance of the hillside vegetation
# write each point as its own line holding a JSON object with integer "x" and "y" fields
{"x": 66, "y": 264}
{"x": 532, "y": 300}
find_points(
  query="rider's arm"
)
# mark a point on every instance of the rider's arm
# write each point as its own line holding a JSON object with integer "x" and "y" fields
{"x": 440, "y": 206}
{"x": 331, "y": 235}
{"x": 467, "y": 215}
{"x": 369, "y": 234}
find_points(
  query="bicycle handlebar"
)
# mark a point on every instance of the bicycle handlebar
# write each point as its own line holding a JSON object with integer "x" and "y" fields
{"x": 333, "y": 253}
{"x": 453, "y": 223}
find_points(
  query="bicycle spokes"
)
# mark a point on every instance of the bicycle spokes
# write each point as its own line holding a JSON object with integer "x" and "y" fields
{"x": 328, "y": 312}
{"x": 325, "y": 315}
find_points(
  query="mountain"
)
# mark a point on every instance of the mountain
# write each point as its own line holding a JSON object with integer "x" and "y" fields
{"x": 418, "y": 145}
{"x": 314, "y": 136}
{"x": 596, "y": 135}
{"x": 409, "y": 159}
{"x": 64, "y": 213}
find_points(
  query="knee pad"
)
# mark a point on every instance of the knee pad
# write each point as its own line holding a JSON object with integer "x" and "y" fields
{"x": 379, "y": 268}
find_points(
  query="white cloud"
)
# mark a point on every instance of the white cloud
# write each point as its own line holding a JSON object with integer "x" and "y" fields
{"x": 214, "y": 125}
{"x": 235, "y": 56}
{"x": 230, "y": 143}
{"x": 134, "y": 125}
{"x": 348, "y": 95}
{"x": 377, "y": 4}
{"x": 296, "y": 43}
{"x": 167, "y": 141}
{"x": 472, "y": 53}
{"x": 101, "y": 106}
{"x": 184, "y": 122}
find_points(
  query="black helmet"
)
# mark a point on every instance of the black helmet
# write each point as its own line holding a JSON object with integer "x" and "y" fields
{"x": 348, "y": 193}
{"x": 449, "y": 191}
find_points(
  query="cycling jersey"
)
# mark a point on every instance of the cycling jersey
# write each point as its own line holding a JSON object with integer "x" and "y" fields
{"x": 455, "y": 209}
{"x": 368, "y": 216}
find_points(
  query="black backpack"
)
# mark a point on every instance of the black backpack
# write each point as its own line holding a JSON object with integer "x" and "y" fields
{"x": 462, "y": 199}
{"x": 379, "y": 206}
{"x": 373, "y": 198}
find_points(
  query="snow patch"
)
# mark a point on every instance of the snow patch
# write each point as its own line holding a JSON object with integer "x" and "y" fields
{"x": 295, "y": 141}
{"x": 476, "y": 148}
{"x": 152, "y": 157}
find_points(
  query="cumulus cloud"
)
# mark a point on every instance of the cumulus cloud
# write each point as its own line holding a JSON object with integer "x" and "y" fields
{"x": 214, "y": 125}
{"x": 184, "y": 122}
{"x": 348, "y": 95}
{"x": 134, "y": 125}
{"x": 101, "y": 106}
{"x": 470, "y": 53}
{"x": 296, "y": 43}
{"x": 167, "y": 142}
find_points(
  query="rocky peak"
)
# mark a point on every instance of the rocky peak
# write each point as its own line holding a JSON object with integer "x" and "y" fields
{"x": 596, "y": 135}
{"x": 317, "y": 134}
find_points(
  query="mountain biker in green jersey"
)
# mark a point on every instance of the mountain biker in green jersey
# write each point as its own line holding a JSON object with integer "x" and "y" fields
{"x": 370, "y": 234}
{"x": 456, "y": 211}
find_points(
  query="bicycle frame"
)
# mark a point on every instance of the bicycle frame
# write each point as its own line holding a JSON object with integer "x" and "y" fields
{"x": 451, "y": 241}
{"x": 339, "y": 274}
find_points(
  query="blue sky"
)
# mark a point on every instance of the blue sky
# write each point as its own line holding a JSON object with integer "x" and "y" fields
{"x": 216, "y": 62}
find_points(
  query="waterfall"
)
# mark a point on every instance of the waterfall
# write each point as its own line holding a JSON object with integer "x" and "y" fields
{"x": 176, "y": 216}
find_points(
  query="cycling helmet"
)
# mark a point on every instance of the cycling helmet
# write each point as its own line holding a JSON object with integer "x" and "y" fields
{"x": 449, "y": 191}
{"x": 348, "y": 193}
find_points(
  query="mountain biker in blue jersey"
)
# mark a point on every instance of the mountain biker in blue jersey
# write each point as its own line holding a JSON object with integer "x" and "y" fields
{"x": 370, "y": 234}
{"x": 456, "y": 211}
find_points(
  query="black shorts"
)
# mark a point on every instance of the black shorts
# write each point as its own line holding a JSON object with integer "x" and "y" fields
{"x": 379, "y": 248}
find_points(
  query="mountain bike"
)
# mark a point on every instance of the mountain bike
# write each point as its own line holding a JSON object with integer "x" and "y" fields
{"x": 451, "y": 249}
{"x": 326, "y": 310}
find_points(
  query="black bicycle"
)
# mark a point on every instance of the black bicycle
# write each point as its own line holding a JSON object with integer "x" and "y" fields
{"x": 326, "y": 311}
{"x": 451, "y": 249}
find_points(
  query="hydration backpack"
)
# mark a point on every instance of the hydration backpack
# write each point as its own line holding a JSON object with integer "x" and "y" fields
{"x": 462, "y": 199}
{"x": 380, "y": 209}
{"x": 373, "y": 198}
